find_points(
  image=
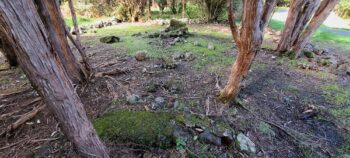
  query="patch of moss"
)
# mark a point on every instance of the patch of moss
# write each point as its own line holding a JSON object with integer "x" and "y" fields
{"x": 147, "y": 128}
{"x": 266, "y": 129}
{"x": 309, "y": 54}
{"x": 193, "y": 120}
{"x": 336, "y": 94}
{"x": 292, "y": 89}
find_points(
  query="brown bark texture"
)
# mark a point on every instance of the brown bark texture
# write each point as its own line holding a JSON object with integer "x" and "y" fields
{"x": 39, "y": 58}
{"x": 55, "y": 25}
{"x": 300, "y": 13}
{"x": 323, "y": 11}
{"x": 248, "y": 40}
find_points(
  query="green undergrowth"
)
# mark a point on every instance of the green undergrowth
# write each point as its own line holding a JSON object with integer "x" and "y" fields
{"x": 336, "y": 94}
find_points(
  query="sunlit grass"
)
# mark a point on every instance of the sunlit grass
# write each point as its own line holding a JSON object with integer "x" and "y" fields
{"x": 81, "y": 21}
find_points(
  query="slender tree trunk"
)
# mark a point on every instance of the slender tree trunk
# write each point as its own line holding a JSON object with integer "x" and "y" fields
{"x": 149, "y": 9}
{"x": 77, "y": 39}
{"x": 299, "y": 15}
{"x": 39, "y": 58}
{"x": 320, "y": 16}
{"x": 55, "y": 26}
{"x": 248, "y": 40}
{"x": 8, "y": 51}
{"x": 183, "y": 8}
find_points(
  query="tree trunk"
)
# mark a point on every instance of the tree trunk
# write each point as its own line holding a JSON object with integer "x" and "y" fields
{"x": 183, "y": 8}
{"x": 40, "y": 60}
{"x": 299, "y": 15}
{"x": 77, "y": 39}
{"x": 248, "y": 40}
{"x": 149, "y": 9}
{"x": 320, "y": 16}
{"x": 8, "y": 51}
{"x": 54, "y": 23}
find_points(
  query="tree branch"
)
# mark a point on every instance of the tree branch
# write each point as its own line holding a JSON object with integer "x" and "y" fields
{"x": 232, "y": 22}
{"x": 267, "y": 13}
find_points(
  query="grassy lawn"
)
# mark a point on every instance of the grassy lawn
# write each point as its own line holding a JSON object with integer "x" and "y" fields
{"x": 321, "y": 36}
{"x": 205, "y": 57}
{"x": 81, "y": 21}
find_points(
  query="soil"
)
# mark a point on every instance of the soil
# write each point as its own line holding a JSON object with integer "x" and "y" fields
{"x": 266, "y": 97}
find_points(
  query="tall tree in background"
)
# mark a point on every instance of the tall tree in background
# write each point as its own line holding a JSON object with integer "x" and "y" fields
{"x": 39, "y": 48}
{"x": 299, "y": 28}
{"x": 183, "y": 8}
{"x": 248, "y": 40}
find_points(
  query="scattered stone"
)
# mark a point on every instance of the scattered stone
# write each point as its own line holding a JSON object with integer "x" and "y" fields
{"x": 140, "y": 56}
{"x": 133, "y": 99}
{"x": 211, "y": 46}
{"x": 158, "y": 103}
{"x": 178, "y": 56}
{"x": 179, "y": 133}
{"x": 208, "y": 137}
{"x": 245, "y": 144}
{"x": 169, "y": 65}
{"x": 189, "y": 56}
{"x": 176, "y": 24}
{"x": 227, "y": 137}
{"x": 110, "y": 39}
{"x": 196, "y": 43}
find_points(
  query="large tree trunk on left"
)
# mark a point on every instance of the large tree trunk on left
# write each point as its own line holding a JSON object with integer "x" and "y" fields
{"x": 248, "y": 40}
{"x": 7, "y": 50}
{"x": 55, "y": 25}
{"x": 39, "y": 58}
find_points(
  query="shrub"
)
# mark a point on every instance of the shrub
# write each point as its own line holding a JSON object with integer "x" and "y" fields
{"x": 343, "y": 8}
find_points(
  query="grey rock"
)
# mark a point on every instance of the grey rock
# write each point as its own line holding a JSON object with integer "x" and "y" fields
{"x": 189, "y": 56}
{"x": 211, "y": 46}
{"x": 140, "y": 55}
{"x": 245, "y": 144}
{"x": 158, "y": 103}
{"x": 182, "y": 134}
{"x": 178, "y": 56}
{"x": 196, "y": 43}
{"x": 133, "y": 99}
{"x": 210, "y": 138}
{"x": 348, "y": 71}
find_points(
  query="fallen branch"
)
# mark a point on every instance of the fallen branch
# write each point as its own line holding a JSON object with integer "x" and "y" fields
{"x": 11, "y": 145}
{"x": 25, "y": 118}
{"x": 111, "y": 72}
{"x": 2, "y": 96}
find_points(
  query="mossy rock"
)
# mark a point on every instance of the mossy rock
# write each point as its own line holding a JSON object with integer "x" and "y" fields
{"x": 176, "y": 24}
{"x": 324, "y": 62}
{"x": 109, "y": 39}
{"x": 309, "y": 54}
{"x": 147, "y": 128}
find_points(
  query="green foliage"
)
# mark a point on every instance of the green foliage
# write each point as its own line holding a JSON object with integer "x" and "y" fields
{"x": 147, "y": 128}
{"x": 180, "y": 145}
{"x": 193, "y": 11}
{"x": 284, "y": 3}
{"x": 343, "y": 8}
{"x": 121, "y": 13}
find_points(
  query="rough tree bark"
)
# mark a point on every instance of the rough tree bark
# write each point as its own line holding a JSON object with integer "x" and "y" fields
{"x": 77, "y": 40}
{"x": 55, "y": 26}
{"x": 8, "y": 51}
{"x": 323, "y": 11}
{"x": 39, "y": 58}
{"x": 149, "y": 12}
{"x": 300, "y": 13}
{"x": 248, "y": 40}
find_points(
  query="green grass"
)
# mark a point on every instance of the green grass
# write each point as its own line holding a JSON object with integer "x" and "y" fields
{"x": 204, "y": 57}
{"x": 81, "y": 21}
{"x": 336, "y": 94}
